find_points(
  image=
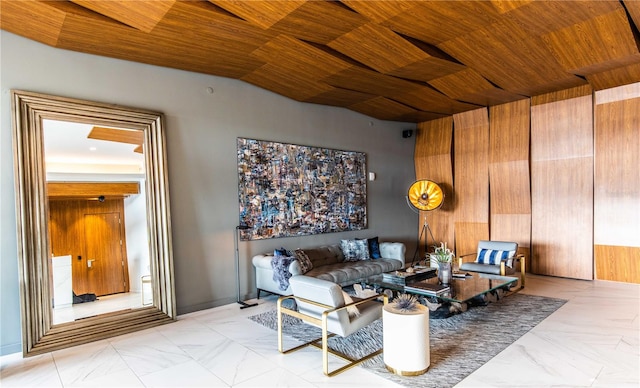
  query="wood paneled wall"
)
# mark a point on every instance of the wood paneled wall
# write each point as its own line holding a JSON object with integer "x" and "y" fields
{"x": 617, "y": 184}
{"x": 577, "y": 207}
{"x": 433, "y": 162}
{"x": 509, "y": 190}
{"x": 562, "y": 183}
{"x": 471, "y": 179}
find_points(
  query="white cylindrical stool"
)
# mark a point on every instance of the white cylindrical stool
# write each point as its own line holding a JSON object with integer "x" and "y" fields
{"x": 405, "y": 340}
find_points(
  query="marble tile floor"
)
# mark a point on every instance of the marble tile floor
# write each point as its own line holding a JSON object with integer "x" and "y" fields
{"x": 104, "y": 304}
{"x": 592, "y": 341}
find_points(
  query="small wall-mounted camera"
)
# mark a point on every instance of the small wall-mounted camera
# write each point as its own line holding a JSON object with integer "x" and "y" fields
{"x": 407, "y": 133}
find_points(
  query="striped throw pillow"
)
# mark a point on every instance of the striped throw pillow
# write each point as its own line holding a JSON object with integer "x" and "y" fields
{"x": 494, "y": 257}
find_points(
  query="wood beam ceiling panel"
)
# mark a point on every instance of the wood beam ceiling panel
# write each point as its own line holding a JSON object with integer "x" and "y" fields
{"x": 420, "y": 117}
{"x": 473, "y": 53}
{"x": 378, "y": 47}
{"x": 510, "y": 58}
{"x": 36, "y": 20}
{"x": 300, "y": 56}
{"x": 505, "y": 6}
{"x": 543, "y": 17}
{"x": 440, "y": 21}
{"x": 469, "y": 86}
{"x": 143, "y": 16}
{"x": 261, "y": 13}
{"x": 616, "y": 77}
{"x": 172, "y": 44}
{"x": 369, "y": 81}
{"x": 379, "y": 11}
{"x": 382, "y": 108}
{"x": 427, "y": 69}
{"x": 280, "y": 80}
{"x": 202, "y": 20}
{"x": 340, "y": 97}
{"x": 595, "y": 45}
{"x": 633, "y": 7}
{"x": 426, "y": 99}
{"x": 319, "y": 22}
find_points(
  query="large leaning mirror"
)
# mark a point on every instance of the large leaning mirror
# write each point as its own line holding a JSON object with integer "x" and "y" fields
{"x": 94, "y": 238}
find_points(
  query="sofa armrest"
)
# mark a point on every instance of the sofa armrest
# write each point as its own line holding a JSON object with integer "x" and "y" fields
{"x": 264, "y": 261}
{"x": 393, "y": 250}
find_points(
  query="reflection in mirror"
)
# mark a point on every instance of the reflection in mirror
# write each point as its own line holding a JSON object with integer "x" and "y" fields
{"x": 124, "y": 199}
{"x": 97, "y": 219}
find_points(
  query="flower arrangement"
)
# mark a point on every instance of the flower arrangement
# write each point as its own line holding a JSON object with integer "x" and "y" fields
{"x": 442, "y": 254}
{"x": 405, "y": 302}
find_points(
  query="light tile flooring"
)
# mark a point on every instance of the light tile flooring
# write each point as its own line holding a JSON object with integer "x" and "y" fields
{"x": 104, "y": 304}
{"x": 592, "y": 341}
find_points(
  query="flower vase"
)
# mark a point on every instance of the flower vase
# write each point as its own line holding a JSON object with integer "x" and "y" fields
{"x": 444, "y": 272}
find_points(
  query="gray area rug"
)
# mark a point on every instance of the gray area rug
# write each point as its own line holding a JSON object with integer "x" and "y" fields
{"x": 459, "y": 344}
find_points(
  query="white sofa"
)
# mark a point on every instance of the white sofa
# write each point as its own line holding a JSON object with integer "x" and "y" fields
{"x": 328, "y": 264}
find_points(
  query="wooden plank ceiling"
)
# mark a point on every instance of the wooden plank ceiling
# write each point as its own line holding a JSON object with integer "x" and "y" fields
{"x": 395, "y": 60}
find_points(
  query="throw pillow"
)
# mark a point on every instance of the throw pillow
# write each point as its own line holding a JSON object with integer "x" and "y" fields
{"x": 354, "y": 250}
{"x": 374, "y": 248}
{"x": 305, "y": 263}
{"x": 494, "y": 257}
{"x": 352, "y": 310}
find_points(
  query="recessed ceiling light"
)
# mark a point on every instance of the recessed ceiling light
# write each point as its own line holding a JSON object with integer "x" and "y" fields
{"x": 92, "y": 148}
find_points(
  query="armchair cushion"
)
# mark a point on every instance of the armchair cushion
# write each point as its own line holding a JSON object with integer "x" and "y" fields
{"x": 494, "y": 257}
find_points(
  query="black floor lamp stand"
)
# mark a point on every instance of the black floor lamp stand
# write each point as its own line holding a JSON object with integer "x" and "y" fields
{"x": 243, "y": 305}
{"x": 425, "y": 227}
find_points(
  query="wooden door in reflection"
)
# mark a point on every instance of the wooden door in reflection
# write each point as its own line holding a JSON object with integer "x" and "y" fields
{"x": 105, "y": 263}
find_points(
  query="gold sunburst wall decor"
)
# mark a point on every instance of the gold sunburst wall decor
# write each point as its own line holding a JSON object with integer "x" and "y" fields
{"x": 425, "y": 195}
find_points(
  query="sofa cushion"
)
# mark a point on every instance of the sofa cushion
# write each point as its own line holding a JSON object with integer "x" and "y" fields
{"x": 325, "y": 255}
{"x": 350, "y": 272}
{"x": 355, "y": 250}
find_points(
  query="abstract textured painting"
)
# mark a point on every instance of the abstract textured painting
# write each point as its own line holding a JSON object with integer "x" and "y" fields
{"x": 292, "y": 190}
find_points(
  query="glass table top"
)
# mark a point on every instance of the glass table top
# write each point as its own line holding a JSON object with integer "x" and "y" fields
{"x": 461, "y": 289}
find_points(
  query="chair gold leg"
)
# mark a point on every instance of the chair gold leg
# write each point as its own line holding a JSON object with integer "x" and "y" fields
{"x": 325, "y": 347}
{"x": 322, "y": 342}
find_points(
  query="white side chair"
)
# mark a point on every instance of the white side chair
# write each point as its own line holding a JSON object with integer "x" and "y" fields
{"x": 322, "y": 304}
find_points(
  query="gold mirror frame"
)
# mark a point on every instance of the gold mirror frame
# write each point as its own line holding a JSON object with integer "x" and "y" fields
{"x": 39, "y": 335}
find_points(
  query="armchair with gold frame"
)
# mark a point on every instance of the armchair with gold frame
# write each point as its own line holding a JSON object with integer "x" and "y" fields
{"x": 322, "y": 304}
{"x": 495, "y": 257}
